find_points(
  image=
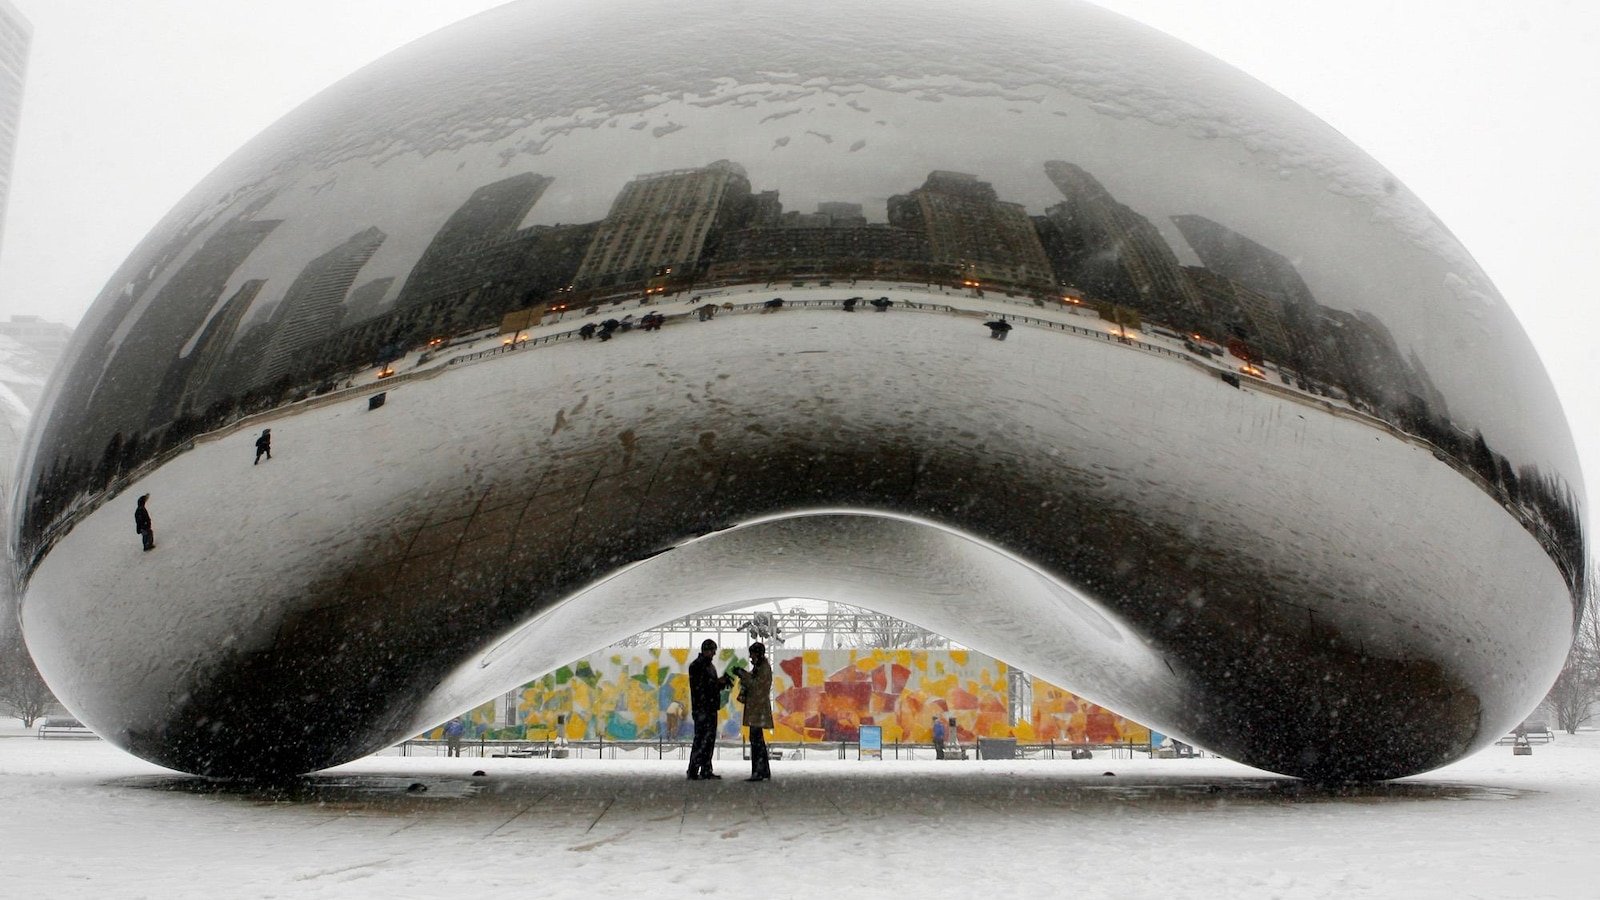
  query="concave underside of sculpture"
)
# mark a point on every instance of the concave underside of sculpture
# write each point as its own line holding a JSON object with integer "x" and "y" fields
{"x": 567, "y": 321}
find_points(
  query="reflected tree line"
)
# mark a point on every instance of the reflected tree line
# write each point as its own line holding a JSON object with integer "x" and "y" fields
{"x": 180, "y": 355}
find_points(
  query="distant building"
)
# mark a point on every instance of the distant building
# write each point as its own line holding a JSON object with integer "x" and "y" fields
{"x": 1236, "y": 311}
{"x": 842, "y": 213}
{"x": 512, "y": 272}
{"x": 972, "y": 235}
{"x": 493, "y": 212}
{"x": 314, "y": 304}
{"x": 1113, "y": 253}
{"x": 1367, "y": 362}
{"x": 200, "y": 384}
{"x": 47, "y": 338}
{"x": 666, "y": 221}
{"x": 1244, "y": 261}
{"x": 854, "y": 251}
{"x": 30, "y": 347}
{"x": 15, "y": 36}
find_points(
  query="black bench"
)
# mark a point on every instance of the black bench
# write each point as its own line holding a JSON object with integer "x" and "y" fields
{"x": 63, "y": 727}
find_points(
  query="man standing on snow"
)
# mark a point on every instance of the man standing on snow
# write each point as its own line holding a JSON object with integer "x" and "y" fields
{"x": 263, "y": 445}
{"x": 705, "y": 701}
{"x": 141, "y": 524}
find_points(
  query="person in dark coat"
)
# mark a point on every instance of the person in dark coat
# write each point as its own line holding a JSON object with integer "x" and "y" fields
{"x": 587, "y": 331}
{"x": 705, "y": 701}
{"x": 755, "y": 692}
{"x": 882, "y": 304}
{"x": 998, "y": 329}
{"x": 263, "y": 445}
{"x": 141, "y": 524}
{"x": 850, "y": 303}
{"x": 776, "y": 303}
{"x": 607, "y": 328}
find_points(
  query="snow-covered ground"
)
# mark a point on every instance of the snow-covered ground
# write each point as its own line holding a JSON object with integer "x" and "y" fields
{"x": 83, "y": 819}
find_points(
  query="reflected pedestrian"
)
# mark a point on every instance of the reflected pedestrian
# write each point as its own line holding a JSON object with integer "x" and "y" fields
{"x": 705, "y": 701}
{"x": 141, "y": 523}
{"x": 263, "y": 445}
{"x": 755, "y": 692}
{"x": 938, "y": 738}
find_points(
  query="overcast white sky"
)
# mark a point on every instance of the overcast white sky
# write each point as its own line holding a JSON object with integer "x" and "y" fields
{"x": 1488, "y": 110}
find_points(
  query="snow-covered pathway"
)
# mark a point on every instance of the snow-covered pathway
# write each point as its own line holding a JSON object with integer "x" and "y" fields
{"x": 83, "y": 819}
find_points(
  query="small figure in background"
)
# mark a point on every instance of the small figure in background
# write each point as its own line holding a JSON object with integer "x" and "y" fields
{"x": 998, "y": 329}
{"x": 263, "y": 445}
{"x": 453, "y": 730}
{"x": 141, "y": 524}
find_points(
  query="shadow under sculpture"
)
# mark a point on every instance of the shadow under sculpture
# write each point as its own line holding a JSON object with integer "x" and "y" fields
{"x": 1264, "y": 461}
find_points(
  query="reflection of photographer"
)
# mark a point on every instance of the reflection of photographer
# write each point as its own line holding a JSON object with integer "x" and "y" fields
{"x": 755, "y": 694}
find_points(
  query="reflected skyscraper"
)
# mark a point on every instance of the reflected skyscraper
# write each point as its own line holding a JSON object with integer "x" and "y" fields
{"x": 663, "y": 221}
{"x": 16, "y": 34}
{"x": 973, "y": 236}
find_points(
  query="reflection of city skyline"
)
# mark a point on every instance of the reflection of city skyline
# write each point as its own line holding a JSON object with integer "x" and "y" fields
{"x": 167, "y": 378}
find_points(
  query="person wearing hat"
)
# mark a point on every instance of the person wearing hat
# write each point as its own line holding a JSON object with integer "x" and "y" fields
{"x": 705, "y": 701}
{"x": 263, "y": 445}
{"x": 755, "y": 692}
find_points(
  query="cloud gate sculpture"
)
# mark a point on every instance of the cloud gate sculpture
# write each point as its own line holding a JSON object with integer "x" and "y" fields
{"x": 570, "y": 320}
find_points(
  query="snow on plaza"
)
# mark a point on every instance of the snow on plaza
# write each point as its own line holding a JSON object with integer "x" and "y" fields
{"x": 85, "y": 820}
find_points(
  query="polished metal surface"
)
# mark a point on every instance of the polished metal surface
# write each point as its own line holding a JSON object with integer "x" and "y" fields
{"x": 1263, "y": 459}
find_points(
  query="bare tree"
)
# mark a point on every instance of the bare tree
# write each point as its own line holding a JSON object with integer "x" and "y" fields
{"x": 1575, "y": 697}
{"x": 21, "y": 686}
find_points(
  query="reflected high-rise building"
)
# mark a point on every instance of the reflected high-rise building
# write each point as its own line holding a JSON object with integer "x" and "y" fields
{"x": 492, "y": 212}
{"x": 1114, "y": 253}
{"x": 1246, "y": 262}
{"x": 210, "y": 350}
{"x": 1244, "y": 313}
{"x": 315, "y": 302}
{"x": 664, "y": 220}
{"x": 972, "y": 234}
{"x": 15, "y": 36}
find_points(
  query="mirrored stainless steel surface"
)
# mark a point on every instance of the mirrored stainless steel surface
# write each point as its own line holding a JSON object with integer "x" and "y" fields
{"x": 572, "y": 319}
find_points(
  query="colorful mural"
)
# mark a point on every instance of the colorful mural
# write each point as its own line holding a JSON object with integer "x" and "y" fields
{"x": 642, "y": 694}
